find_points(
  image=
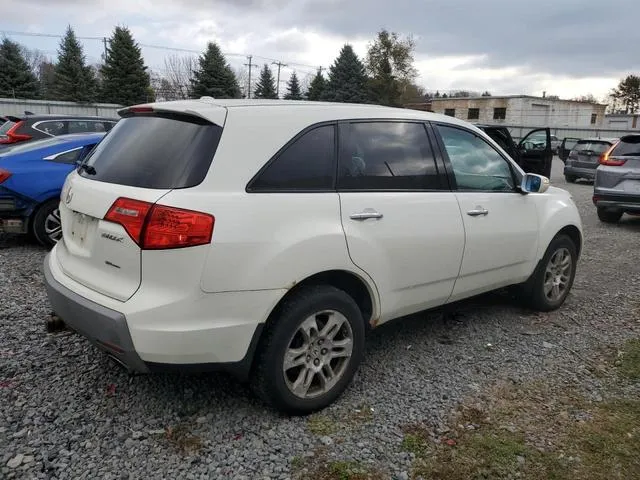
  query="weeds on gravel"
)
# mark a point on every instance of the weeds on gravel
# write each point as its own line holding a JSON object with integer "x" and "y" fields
{"x": 629, "y": 362}
{"x": 536, "y": 431}
{"x": 323, "y": 424}
{"x": 182, "y": 439}
{"x": 320, "y": 424}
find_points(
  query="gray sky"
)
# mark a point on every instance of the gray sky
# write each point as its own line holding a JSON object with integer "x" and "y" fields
{"x": 566, "y": 47}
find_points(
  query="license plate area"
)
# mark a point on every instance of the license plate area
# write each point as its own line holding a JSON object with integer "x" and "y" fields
{"x": 82, "y": 228}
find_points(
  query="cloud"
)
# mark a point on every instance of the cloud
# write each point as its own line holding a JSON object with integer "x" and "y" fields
{"x": 568, "y": 46}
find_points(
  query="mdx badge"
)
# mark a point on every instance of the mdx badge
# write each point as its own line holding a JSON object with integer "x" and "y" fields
{"x": 111, "y": 236}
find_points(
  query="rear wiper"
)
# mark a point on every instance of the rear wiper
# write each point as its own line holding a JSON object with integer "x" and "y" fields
{"x": 87, "y": 168}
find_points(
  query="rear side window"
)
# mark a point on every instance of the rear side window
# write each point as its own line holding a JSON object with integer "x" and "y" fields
{"x": 308, "y": 163}
{"x": 386, "y": 156}
{"x": 5, "y": 127}
{"x": 155, "y": 151}
{"x": 627, "y": 147}
{"x": 55, "y": 127}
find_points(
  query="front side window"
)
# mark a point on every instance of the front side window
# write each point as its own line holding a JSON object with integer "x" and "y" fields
{"x": 306, "y": 164}
{"x": 386, "y": 156}
{"x": 476, "y": 165}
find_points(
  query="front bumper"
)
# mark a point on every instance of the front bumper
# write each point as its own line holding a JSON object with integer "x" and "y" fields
{"x": 628, "y": 203}
{"x": 105, "y": 328}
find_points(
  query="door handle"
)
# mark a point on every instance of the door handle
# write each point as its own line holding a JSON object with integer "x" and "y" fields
{"x": 476, "y": 212}
{"x": 365, "y": 214}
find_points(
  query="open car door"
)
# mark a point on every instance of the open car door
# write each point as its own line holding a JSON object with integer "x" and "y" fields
{"x": 536, "y": 154}
{"x": 566, "y": 146}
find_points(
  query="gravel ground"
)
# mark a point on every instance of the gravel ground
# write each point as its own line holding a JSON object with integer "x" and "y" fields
{"x": 68, "y": 412}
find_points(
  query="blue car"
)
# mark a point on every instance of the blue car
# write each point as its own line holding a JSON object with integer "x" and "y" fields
{"x": 31, "y": 178}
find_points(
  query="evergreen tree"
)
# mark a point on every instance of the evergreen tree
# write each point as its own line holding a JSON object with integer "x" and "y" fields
{"x": 266, "y": 86}
{"x": 293, "y": 88}
{"x": 317, "y": 87}
{"x": 16, "y": 78}
{"x": 347, "y": 79}
{"x": 214, "y": 77}
{"x": 73, "y": 80}
{"x": 125, "y": 79}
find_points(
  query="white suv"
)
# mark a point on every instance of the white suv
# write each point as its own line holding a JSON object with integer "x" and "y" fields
{"x": 265, "y": 237}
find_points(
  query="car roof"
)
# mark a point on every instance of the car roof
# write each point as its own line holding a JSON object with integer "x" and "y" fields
{"x": 307, "y": 112}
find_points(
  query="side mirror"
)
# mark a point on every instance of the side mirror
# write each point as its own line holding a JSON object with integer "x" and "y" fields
{"x": 532, "y": 183}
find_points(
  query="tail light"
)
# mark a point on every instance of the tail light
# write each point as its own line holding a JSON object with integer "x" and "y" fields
{"x": 13, "y": 137}
{"x": 4, "y": 175}
{"x": 595, "y": 199}
{"x": 611, "y": 162}
{"x": 157, "y": 227}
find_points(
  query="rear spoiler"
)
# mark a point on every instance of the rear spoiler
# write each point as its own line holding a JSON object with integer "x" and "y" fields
{"x": 215, "y": 114}
{"x": 13, "y": 119}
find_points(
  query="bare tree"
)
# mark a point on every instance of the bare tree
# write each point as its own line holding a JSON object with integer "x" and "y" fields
{"x": 242, "y": 75}
{"x": 34, "y": 58}
{"x": 177, "y": 75}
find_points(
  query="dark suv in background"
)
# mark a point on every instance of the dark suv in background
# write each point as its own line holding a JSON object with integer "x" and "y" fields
{"x": 34, "y": 127}
{"x": 585, "y": 157}
{"x": 616, "y": 189}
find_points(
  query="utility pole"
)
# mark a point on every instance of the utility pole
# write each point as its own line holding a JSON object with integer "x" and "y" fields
{"x": 279, "y": 64}
{"x": 104, "y": 41}
{"x": 250, "y": 65}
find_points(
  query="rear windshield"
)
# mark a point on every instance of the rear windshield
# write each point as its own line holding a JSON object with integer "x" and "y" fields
{"x": 4, "y": 128}
{"x": 627, "y": 147}
{"x": 595, "y": 147}
{"x": 155, "y": 151}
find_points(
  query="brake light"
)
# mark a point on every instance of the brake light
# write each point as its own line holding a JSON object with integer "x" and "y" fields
{"x": 605, "y": 160}
{"x": 4, "y": 175}
{"x": 157, "y": 227}
{"x": 131, "y": 214}
{"x": 13, "y": 137}
{"x": 140, "y": 109}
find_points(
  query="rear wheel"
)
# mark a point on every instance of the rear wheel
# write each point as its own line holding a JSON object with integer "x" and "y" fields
{"x": 46, "y": 226}
{"x": 570, "y": 178}
{"x": 548, "y": 287}
{"x": 310, "y": 351}
{"x": 609, "y": 216}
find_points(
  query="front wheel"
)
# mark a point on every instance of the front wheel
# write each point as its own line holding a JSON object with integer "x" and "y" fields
{"x": 310, "y": 350}
{"x": 46, "y": 225}
{"x": 548, "y": 287}
{"x": 609, "y": 216}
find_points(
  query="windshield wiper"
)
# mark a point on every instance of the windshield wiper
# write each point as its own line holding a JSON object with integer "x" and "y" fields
{"x": 87, "y": 168}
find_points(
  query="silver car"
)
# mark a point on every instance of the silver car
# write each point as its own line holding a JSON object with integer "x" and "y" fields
{"x": 616, "y": 189}
{"x": 585, "y": 157}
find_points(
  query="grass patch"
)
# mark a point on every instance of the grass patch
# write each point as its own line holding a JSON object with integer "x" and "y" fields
{"x": 320, "y": 468}
{"x": 629, "y": 361}
{"x": 535, "y": 431}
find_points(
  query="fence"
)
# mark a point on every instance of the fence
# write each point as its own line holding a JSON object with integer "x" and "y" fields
{"x": 15, "y": 106}
{"x": 518, "y": 132}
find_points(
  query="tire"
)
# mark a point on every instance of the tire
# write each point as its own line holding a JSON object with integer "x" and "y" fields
{"x": 609, "y": 216}
{"x": 570, "y": 178}
{"x": 534, "y": 292}
{"x": 44, "y": 222}
{"x": 303, "y": 309}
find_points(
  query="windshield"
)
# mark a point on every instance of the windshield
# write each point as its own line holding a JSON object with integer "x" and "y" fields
{"x": 627, "y": 147}
{"x": 595, "y": 147}
{"x": 23, "y": 147}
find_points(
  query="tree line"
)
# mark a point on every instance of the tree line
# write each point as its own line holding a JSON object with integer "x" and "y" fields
{"x": 386, "y": 76}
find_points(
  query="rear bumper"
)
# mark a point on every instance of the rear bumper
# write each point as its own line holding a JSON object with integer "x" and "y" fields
{"x": 150, "y": 332}
{"x": 105, "y": 328}
{"x": 581, "y": 172}
{"x": 628, "y": 203}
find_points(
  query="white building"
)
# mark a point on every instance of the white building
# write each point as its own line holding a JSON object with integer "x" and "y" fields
{"x": 523, "y": 111}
